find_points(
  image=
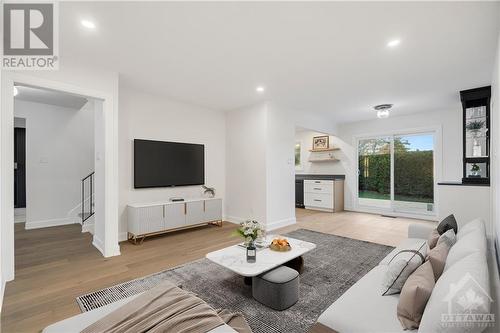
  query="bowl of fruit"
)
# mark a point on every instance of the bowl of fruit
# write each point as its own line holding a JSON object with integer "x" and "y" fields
{"x": 280, "y": 244}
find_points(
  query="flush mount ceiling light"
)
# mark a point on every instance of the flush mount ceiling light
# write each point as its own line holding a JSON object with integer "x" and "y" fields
{"x": 383, "y": 110}
{"x": 393, "y": 43}
{"x": 260, "y": 89}
{"x": 88, "y": 24}
{"x": 16, "y": 91}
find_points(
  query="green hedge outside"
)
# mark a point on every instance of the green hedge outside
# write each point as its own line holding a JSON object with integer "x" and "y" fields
{"x": 413, "y": 174}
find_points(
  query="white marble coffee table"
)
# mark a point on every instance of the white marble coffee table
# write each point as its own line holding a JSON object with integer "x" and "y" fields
{"x": 234, "y": 257}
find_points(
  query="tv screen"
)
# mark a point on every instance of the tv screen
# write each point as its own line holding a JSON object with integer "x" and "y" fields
{"x": 161, "y": 164}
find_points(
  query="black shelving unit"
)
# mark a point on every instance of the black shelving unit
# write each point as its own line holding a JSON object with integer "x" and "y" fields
{"x": 476, "y": 141}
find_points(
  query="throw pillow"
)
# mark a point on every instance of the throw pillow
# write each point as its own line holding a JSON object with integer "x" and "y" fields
{"x": 400, "y": 267}
{"x": 414, "y": 296}
{"x": 449, "y": 222}
{"x": 437, "y": 259}
{"x": 449, "y": 238}
{"x": 433, "y": 239}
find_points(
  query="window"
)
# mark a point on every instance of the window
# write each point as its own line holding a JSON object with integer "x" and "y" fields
{"x": 298, "y": 164}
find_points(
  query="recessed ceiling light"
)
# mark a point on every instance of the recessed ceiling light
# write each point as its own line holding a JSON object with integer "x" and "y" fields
{"x": 88, "y": 24}
{"x": 394, "y": 43}
{"x": 16, "y": 91}
{"x": 383, "y": 110}
{"x": 260, "y": 89}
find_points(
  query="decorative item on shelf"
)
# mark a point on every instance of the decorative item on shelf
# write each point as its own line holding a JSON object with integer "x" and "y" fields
{"x": 475, "y": 127}
{"x": 208, "y": 192}
{"x": 475, "y": 171}
{"x": 321, "y": 142}
{"x": 280, "y": 244}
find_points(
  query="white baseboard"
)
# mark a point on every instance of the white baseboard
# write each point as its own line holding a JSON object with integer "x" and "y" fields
{"x": 98, "y": 244}
{"x": 269, "y": 226}
{"x": 51, "y": 223}
{"x": 88, "y": 227}
{"x": 115, "y": 251}
{"x": 395, "y": 214}
{"x": 122, "y": 236}
{"x": 2, "y": 290}
{"x": 233, "y": 219}
{"x": 280, "y": 224}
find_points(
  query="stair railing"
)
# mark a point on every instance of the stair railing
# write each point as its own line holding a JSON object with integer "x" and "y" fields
{"x": 89, "y": 179}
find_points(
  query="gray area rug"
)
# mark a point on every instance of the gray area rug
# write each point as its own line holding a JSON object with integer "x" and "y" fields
{"x": 330, "y": 269}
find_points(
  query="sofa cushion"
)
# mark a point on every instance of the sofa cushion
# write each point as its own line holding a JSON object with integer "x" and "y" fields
{"x": 471, "y": 226}
{"x": 448, "y": 237}
{"x": 406, "y": 244}
{"x": 437, "y": 259}
{"x": 474, "y": 241}
{"x": 447, "y": 223}
{"x": 362, "y": 309}
{"x": 414, "y": 296}
{"x": 433, "y": 239}
{"x": 399, "y": 269}
{"x": 463, "y": 284}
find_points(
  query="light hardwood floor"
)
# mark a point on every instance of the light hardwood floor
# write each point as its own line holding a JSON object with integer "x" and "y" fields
{"x": 55, "y": 265}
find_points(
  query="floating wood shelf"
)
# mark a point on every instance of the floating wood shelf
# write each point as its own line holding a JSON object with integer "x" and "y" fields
{"x": 323, "y": 160}
{"x": 322, "y": 150}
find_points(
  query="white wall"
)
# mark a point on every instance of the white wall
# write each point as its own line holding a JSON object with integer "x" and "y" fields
{"x": 145, "y": 116}
{"x": 260, "y": 165}
{"x": 305, "y": 137}
{"x": 448, "y": 159}
{"x": 59, "y": 153}
{"x": 246, "y": 137}
{"x": 495, "y": 153}
{"x": 99, "y": 180}
{"x": 280, "y": 167}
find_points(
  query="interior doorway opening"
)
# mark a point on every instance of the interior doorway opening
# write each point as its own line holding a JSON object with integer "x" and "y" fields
{"x": 57, "y": 137}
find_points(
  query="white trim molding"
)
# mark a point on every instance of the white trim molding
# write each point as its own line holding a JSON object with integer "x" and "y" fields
{"x": 280, "y": 224}
{"x": 109, "y": 98}
{"x": 98, "y": 244}
{"x": 51, "y": 223}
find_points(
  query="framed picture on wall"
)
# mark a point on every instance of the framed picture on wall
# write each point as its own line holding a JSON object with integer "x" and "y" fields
{"x": 321, "y": 142}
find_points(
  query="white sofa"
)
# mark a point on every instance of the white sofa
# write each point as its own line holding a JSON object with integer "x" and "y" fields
{"x": 363, "y": 309}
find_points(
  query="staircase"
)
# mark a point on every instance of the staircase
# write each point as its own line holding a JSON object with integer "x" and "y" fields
{"x": 87, "y": 197}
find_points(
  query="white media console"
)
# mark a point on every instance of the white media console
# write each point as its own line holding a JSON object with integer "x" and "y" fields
{"x": 160, "y": 217}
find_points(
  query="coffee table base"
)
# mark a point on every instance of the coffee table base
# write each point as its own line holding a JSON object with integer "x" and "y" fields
{"x": 297, "y": 264}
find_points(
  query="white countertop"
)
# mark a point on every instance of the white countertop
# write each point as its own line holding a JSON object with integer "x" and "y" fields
{"x": 168, "y": 202}
{"x": 234, "y": 257}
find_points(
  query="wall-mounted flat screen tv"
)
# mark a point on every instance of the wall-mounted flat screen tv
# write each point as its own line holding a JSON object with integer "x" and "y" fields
{"x": 162, "y": 164}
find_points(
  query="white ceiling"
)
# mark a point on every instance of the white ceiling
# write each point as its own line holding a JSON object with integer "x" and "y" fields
{"x": 330, "y": 58}
{"x": 51, "y": 97}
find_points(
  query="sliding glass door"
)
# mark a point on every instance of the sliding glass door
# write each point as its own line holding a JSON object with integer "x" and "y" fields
{"x": 374, "y": 156}
{"x": 396, "y": 173}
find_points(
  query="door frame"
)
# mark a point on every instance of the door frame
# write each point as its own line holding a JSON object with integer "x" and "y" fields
{"x": 109, "y": 245}
{"x": 438, "y": 165}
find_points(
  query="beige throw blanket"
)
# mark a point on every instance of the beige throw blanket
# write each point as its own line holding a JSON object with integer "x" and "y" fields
{"x": 165, "y": 308}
